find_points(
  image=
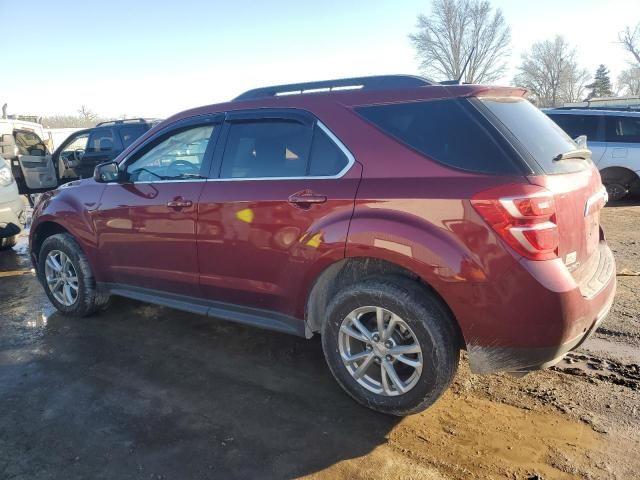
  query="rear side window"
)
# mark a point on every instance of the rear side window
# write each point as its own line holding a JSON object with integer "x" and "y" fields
{"x": 576, "y": 125}
{"x": 273, "y": 148}
{"x": 129, "y": 134}
{"x": 623, "y": 129}
{"x": 446, "y": 131}
{"x": 538, "y": 135}
{"x": 102, "y": 140}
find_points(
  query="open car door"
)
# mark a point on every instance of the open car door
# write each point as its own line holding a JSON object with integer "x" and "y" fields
{"x": 36, "y": 170}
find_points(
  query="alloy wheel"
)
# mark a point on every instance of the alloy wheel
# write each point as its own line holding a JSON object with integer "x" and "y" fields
{"x": 380, "y": 351}
{"x": 61, "y": 277}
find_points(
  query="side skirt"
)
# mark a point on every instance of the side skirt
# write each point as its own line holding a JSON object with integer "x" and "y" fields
{"x": 254, "y": 317}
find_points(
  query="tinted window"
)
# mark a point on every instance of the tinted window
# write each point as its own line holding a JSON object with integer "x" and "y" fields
{"x": 102, "y": 140}
{"x": 623, "y": 129}
{"x": 327, "y": 159}
{"x": 176, "y": 157}
{"x": 445, "y": 131}
{"x": 576, "y": 125}
{"x": 266, "y": 149}
{"x": 537, "y": 133}
{"x": 131, "y": 133}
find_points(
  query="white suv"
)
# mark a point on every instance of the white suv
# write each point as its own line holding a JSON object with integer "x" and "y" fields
{"x": 12, "y": 207}
{"x": 613, "y": 137}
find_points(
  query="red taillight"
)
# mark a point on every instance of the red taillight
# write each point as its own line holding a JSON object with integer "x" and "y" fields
{"x": 524, "y": 216}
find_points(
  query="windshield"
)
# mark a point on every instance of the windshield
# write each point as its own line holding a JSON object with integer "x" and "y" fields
{"x": 538, "y": 134}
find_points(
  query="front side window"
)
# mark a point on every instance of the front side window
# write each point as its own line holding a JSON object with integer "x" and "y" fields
{"x": 27, "y": 142}
{"x": 623, "y": 129}
{"x": 259, "y": 149}
{"x": 576, "y": 125}
{"x": 176, "y": 157}
{"x": 78, "y": 143}
{"x": 102, "y": 141}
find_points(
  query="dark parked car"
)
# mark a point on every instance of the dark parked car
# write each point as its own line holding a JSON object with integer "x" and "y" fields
{"x": 401, "y": 220}
{"x": 36, "y": 171}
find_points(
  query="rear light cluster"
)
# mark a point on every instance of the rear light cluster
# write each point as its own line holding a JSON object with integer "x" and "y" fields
{"x": 524, "y": 216}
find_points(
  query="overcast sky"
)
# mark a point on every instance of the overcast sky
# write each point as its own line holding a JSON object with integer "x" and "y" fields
{"x": 144, "y": 58}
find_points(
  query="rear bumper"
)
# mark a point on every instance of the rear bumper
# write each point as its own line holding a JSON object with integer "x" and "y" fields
{"x": 555, "y": 315}
{"x": 12, "y": 217}
{"x": 486, "y": 360}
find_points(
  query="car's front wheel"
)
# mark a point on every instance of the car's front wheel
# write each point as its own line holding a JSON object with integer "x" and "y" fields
{"x": 391, "y": 345}
{"x": 67, "y": 278}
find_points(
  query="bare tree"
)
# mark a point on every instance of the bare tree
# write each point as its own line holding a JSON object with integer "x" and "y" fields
{"x": 86, "y": 113}
{"x": 445, "y": 39}
{"x": 629, "y": 82}
{"x": 630, "y": 40}
{"x": 551, "y": 74}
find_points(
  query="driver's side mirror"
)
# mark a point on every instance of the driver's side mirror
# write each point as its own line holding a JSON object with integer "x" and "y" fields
{"x": 106, "y": 172}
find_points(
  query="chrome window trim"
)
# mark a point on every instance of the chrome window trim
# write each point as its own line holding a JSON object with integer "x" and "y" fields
{"x": 350, "y": 161}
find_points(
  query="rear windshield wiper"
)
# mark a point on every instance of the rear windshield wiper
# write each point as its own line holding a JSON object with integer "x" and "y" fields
{"x": 582, "y": 153}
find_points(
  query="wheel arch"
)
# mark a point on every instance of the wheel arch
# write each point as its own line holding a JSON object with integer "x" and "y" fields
{"x": 352, "y": 270}
{"x": 41, "y": 232}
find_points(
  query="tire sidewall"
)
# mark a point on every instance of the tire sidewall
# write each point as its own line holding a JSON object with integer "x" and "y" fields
{"x": 69, "y": 247}
{"x": 425, "y": 321}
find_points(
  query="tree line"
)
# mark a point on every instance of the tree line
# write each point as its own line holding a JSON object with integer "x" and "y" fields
{"x": 457, "y": 31}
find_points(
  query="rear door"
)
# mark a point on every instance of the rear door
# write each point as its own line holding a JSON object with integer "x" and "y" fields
{"x": 623, "y": 137}
{"x": 277, "y": 209}
{"x": 35, "y": 162}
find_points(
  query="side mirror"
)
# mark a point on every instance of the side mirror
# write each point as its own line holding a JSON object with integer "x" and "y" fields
{"x": 106, "y": 172}
{"x": 8, "y": 146}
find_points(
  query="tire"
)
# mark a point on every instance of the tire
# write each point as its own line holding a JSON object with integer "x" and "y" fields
{"x": 88, "y": 299}
{"x": 8, "y": 243}
{"x": 430, "y": 326}
{"x": 618, "y": 182}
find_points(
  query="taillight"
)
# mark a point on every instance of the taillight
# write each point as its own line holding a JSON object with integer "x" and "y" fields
{"x": 524, "y": 216}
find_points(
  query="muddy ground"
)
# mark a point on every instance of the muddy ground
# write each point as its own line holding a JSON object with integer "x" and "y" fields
{"x": 146, "y": 392}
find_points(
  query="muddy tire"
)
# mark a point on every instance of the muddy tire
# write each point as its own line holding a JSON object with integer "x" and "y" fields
{"x": 390, "y": 319}
{"x": 67, "y": 279}
{"x": 9, "y": 242}
{"x": 619, "y": 182}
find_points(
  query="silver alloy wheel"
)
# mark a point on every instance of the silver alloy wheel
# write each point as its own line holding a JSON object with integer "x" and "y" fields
{"x": 61, "y": 276}
{"x": 380, "y": 351}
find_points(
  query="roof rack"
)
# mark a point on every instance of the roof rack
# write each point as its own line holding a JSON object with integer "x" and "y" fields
{"x": 378, "y": 82}
{"x": 619, "y": 108}
{"x": 127, "y": 120}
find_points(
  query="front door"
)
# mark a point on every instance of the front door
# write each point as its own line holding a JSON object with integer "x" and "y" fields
{"x": 147, "y": 223}
{"x": 36, "y": 166}
{"x": 278, "y": 212}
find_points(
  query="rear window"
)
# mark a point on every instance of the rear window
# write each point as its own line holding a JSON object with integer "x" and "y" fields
{"x": 576, "y": 125}
{"x": 448, "y": 131}
{"x": 538, "y": 135}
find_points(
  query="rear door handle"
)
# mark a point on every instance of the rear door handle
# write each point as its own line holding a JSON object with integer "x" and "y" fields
{"x": 179, "y": 203}
{"x": 306, "y": 198}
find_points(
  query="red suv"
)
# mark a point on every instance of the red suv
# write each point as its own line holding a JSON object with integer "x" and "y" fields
{"x": 400, "y": 219}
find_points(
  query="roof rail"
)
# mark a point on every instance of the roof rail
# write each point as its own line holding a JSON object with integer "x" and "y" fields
{"x": 378, "y": 82}
{"x": 619, "y": 108}
{"x": 127, "y": 120}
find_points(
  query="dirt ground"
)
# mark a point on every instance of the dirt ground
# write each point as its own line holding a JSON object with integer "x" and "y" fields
{"x": 146, "y": 392}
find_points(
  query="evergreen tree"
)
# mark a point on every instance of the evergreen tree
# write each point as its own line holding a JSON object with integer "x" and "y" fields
{"x": 601, "y": 86}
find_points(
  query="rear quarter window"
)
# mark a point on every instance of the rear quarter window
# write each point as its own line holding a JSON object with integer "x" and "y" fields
{"x": 537, "y": 136}
{"x": 448, "y": 131}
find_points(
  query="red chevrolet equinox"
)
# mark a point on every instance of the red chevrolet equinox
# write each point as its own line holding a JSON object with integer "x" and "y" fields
{"x": 400, "y": 219}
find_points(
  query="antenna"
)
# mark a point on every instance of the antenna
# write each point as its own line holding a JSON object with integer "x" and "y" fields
{"x": 466, "y": 64}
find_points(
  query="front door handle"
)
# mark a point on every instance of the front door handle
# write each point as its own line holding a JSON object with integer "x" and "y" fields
{"x": 306, "y": 198}
{"x": 179, "y": 203}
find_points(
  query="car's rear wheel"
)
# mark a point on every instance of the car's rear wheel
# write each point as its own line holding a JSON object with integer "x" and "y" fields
{"x": 67, "y": 278}
{"x": 391, "y": 345}
{"x": 619, "y": 182}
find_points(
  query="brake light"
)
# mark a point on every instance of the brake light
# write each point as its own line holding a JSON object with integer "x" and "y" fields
{"x": 524, "y": 216}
